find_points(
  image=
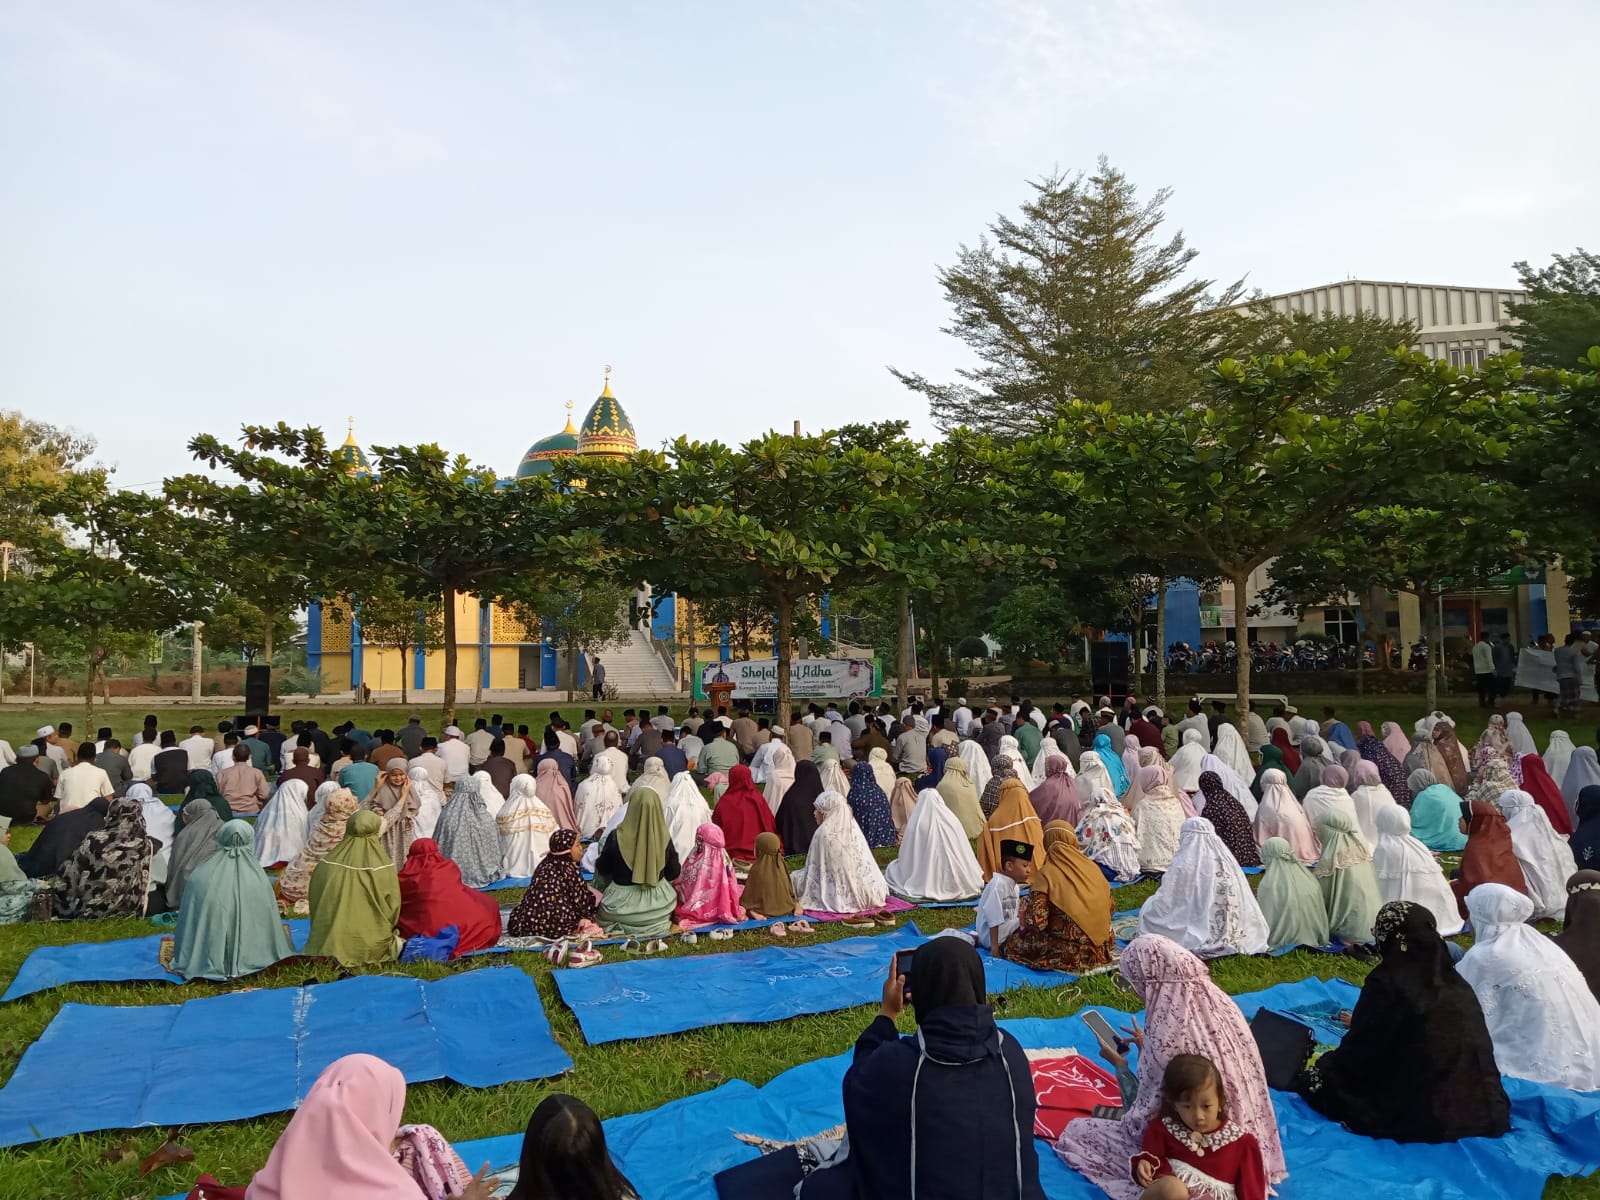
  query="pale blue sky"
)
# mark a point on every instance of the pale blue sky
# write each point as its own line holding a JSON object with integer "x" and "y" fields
{"x": 444, "y": 219}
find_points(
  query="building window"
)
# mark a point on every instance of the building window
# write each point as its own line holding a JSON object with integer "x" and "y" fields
{"x": 1341, "y": 626}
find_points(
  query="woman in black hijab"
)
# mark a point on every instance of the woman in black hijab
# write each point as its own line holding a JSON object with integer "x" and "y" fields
{"x": 61, "y": 839}
{"x": 1417, "y": 1064}
{"x": 1228, "y": 818}
{"x": 1580, "y": 929}
{"x": 952, "y": 1106}
{"x": 797, "y": 819}
{"x": 1585, "y": 839}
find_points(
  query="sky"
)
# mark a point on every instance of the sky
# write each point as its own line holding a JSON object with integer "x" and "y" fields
{"x": 444, "y": 220}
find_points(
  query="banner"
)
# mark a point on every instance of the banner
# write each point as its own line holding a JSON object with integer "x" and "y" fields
{"x": 757, "y": 678}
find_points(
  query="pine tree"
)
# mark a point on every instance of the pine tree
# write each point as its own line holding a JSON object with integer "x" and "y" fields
{"x": 1080, "y": 299}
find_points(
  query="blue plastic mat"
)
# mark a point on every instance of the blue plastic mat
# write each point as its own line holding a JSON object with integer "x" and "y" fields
{"x": 651, "y": 997}
{"x": 249, "y": 1053}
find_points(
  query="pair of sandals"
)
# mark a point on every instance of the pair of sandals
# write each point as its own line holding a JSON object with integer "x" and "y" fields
{"x": 565, "y": 953}
{"x": 870, "y": 919}
{"x": 648, "y": 946}
{"x": 800, "y": 926}
{"x": 690, "y": 937}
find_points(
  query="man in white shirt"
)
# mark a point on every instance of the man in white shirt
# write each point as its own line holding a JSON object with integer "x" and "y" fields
{"x": 619, "y": 759}
{"x": 143, "y": 755}
{"x": 430, "y": 762}
{"x": 568, "y": 740}
{"x": 53, "y": 749}
{"x": 457, "y": 757}
{"x": 962, "y": 718}
{"x": 478, "y": 743}
{"x": 199, "y": 747}
{"x": 83, "y": 782}
{"x": 222, "y": 759}
{"x": 663, "y": 719}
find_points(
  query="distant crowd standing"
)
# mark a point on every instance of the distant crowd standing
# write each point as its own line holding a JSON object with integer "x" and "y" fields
{"x": 652, "y": 826}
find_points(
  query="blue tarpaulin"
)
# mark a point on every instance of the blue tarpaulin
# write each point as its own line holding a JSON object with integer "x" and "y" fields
{"x": 651, "y": 997}
{"x": 222, "y": 1058}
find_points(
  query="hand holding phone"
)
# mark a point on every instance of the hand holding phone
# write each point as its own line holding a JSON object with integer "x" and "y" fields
{"x": 1101, "y": 1028}
{"x": 902, "y": 967}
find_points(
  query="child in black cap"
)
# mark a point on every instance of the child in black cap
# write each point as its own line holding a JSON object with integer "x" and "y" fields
{"x": 1001, "y": 901}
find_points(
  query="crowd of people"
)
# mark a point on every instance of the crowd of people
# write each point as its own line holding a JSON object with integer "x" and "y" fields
{"x": 653, "y": 826}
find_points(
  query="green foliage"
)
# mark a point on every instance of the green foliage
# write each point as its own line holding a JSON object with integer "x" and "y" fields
{"x": 1369, "y": 372}
{"x": 1034, "y": 620}
{"x": 300, "y": 681}
{"x": 581, "y": 613}
{"x": 972, "y": 646}
{"x": 1079, "y": 299}
{"x": 36, "y": 460}
{"x": 1560, "y": 318}
{"x": 238, "y": 625}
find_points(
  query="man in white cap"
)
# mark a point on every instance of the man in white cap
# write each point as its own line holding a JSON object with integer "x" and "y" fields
{"x": 53, "y": 748}
{"x": 962, "y": 718}
{"x": 260, "y": 752}
{"x": 456, "y": 755}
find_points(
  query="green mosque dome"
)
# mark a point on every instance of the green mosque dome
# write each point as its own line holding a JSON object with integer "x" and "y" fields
{"x": 607, "y": 429}
{"x": 350, "y": 457}
{"x": 541, "y": 456}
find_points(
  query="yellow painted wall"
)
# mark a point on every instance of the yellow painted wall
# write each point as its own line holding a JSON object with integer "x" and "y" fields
{"x": 335, "y": 670}
{"x": 466, "y": 669}
{"x": 382, "y": 668}
{"x": 1557, "y": 612}
{"x": 505, "y": 667}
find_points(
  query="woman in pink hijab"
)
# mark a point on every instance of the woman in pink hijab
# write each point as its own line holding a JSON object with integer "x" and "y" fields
{"x": 1185, "y": 1013}
{"x": 1056, "y": 795}
{"x": 550, "y": 785}
{"x": 346, "y": 1141}
{"x": 1280, "y": 815}
{"x": 708, "y": 890}
{"x": 1394, "y": 737}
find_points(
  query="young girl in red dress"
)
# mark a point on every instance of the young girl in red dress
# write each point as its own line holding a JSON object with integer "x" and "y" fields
{"x": 1192, "y": 1151}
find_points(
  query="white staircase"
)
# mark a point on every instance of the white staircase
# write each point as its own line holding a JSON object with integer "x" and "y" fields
{"x": 637, "y": 671}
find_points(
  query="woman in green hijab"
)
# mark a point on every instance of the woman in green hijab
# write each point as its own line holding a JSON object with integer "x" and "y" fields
{"x": 16, "y": 889}
{"x": 355, "y": 897}
{"x": 203, "y": 786}
{"x": 228, "y": 925}
{"x": 635, "y": 870}
{"x": 1349, "y": 884}
{"x": 1290, "y": 899}
{"x": 1271, "y": 760}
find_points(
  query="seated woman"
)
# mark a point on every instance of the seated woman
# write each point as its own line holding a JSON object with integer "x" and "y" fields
{"x": 1407, "y": 870}
{"x": 1370, "y": 798}
{"x": 1109, "y": 837}
{"x": 1543, "y": 1018}
{"x": 1092, "y": 777}
{"x": 780, "y": 776}
{"x": 284, "y": 824}
{"x": 1056, "y": 798}
{"x": 1489, "y": 857}
{"x": 797, "y": 819}
{"x": 683, "y": 808}
{"x": 840, "y": 874}
{"x": 109, "y": 873}
{"x": 1290, "y": 899}
{"x": 551, "y": 786}
{"x": 558, "y": 903}
{"x": 708, "y": 890}
{"x": 430, "y": 802}
{"x": 1417, "y": 1064}
{"x": 768, "y": 891}
{"x": 741, "y": 815}
{"x": 1000, "y": 771}
{"x": 59, "y": 840}
{"x": 1204, "y": 902}
{"x": 355, "y": 897}
{"x": 870, "y": 804}
{"x": 961, "y": 795}
{"x": 1230, "y": 821}
{"x": 468, "y": 835}
{"x": 1185, "y": 1013}
{"x": 903, "y": 802}
{"x": 432, "y": 897}
{"x": 1349, "y": 885}
{"x": 1066, "y": 919}
{"x": 564, "y": 1154}
{"x": 327, "y": 831}
{"x": 1584, "y": 842}
{"x": 967, "y": 1123}
{"x": 1111, "y": 761}
{"x": 203, "y": 786}
{"x": 229, "y": 925}
{"x": 1313, "y": 762}
{"x": 1545, "y": 857}
{"x": 1435, "y": 814}
{"x": 1491, "y": 782}
{"x": 598, "y": 797}
{"x": 1013, "y": 819}
{"x": 1158, "y": 820}
{"x": 1280, "y": 815}
{"x": 524, "y": 825}
{"x": 878, "y": 761}
{"x": 635, "y": 871}
{"x": 935, "y": 862}
{"x": 1330, "y": 796}
{"x": 16, "y": 889}
{"x": 1537, "y": 783}
{"x": 346, "y": 1141}
{"x": 1580, "y": 928}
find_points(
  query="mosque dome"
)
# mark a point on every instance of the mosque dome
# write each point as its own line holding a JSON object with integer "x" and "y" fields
{"x": 350, "y": 457}
{"x": 607, "y": 429}
{"x": 541, "y": 456}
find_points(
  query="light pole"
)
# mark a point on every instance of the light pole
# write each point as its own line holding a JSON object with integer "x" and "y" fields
{"x": 5, "y": 571}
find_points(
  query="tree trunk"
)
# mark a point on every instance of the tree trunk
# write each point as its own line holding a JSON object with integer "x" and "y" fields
{"x": 448, "y": 713}
{"x": 1137, "y": 676}
{"x": 1161, "y": 643}
{"x": 572, "y": 671}
{"x": 1241, "y": 700}
{"x": 88, "y": 699}
{"x": 905, "y": 646}
{"x": 785, "y": 616}
{"x": 933, "y": 652}
{"x": 405, "y": 667}
{"x": 266, "y": 636}
{"x": 1432, "y": 693}
{"x": 1439, "y": 656}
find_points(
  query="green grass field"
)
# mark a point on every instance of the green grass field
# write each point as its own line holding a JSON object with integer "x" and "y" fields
{"x": 618, "y": 1078}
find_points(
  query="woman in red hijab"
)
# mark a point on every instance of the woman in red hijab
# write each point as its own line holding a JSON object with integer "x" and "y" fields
{"x": 1291, "y": 756}
{"x": 1488, "y": 857}
{"x": 1537, "y": 783}
{"x": 432, "y": 896}
{"x": 742, "y": 815}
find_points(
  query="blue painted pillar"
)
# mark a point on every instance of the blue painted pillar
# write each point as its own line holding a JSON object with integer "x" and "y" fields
{"x": 313, "y": 635}
{"x": 826, "y": 615}
{"x": 419, "y": 668}
{"x": 547, "y": 664}
{"x": 722, "y": 644}
{"x": 356, "y": 664}
{"x": 483, "y": 642}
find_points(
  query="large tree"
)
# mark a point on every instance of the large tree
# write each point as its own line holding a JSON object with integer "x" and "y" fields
{"x": 1081, "y": 297}
{"x": 1265, "y": 467}
{"x": 581, "y": 612}
{"x": 1560, "y": 318}
{"x": 36, "y": 459}
{"x": 234, "y": 622}
{"x": 390, "y": 616}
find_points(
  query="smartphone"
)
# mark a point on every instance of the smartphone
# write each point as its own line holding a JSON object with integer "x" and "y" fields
{"x": 1102, "y": 1029}
{"x": 902, "y": 967}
